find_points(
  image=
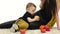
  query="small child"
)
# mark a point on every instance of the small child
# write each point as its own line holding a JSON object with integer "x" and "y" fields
{"x": 27, "y": 17}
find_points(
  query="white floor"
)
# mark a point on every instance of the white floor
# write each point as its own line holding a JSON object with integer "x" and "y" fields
{"x": 53, "y": 31}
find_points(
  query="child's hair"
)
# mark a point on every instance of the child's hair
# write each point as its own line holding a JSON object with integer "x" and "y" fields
{"x": 30, "y": 4}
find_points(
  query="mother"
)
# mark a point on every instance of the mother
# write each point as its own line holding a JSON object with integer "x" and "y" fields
{"x": 47, "y": 13}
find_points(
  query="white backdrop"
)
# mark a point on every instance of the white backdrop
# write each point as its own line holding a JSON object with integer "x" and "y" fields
{"x": 13, "y": 9}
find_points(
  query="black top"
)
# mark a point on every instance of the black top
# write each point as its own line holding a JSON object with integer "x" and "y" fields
{"x": 26, "y": 15}
{"x": 45, "y": 16}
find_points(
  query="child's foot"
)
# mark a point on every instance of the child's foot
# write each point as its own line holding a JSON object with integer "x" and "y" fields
{"x": 12, "y": 29}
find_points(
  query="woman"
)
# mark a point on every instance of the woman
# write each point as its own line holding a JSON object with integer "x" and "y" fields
{"x": 46, "y": 13}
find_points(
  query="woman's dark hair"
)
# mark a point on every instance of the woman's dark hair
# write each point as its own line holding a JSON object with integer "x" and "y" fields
{"x": 53, "y": 6}
{"x": 50, "y": 6}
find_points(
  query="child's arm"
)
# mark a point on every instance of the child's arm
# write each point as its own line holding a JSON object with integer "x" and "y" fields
{"x": 36, "y": 18}
{"x": 30, "y": 19}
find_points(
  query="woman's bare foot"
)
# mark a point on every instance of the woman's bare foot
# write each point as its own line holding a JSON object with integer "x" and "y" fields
{"x": 58, "y": 28}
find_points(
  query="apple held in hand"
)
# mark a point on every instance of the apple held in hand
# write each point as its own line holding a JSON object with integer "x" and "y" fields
{"x": 43, "y": 30}
{"x": 47, "y": 28}
{"x": 37, "y": 18}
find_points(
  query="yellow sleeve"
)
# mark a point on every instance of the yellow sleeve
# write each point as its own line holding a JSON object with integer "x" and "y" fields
{"x": 52, "y": 21}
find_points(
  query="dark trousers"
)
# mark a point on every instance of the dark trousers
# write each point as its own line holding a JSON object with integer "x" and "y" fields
{"x": 7, "y": 24}
{"x": 33, "y": 26}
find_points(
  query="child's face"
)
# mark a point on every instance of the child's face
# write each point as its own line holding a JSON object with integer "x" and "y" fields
{"x": 31, "y": 10}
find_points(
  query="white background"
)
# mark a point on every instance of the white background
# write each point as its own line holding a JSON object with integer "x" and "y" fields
{"x": 13, "y": 9}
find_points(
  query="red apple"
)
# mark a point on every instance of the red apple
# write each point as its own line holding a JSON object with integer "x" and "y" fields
{"x": 47, "y": 28}
{"x": 43, "y": 30}
{"x": 22, "y": 31}
{"x": 42, "y": 27}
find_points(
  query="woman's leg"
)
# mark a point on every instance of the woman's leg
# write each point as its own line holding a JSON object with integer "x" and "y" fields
{"x": 7, "y": 24}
